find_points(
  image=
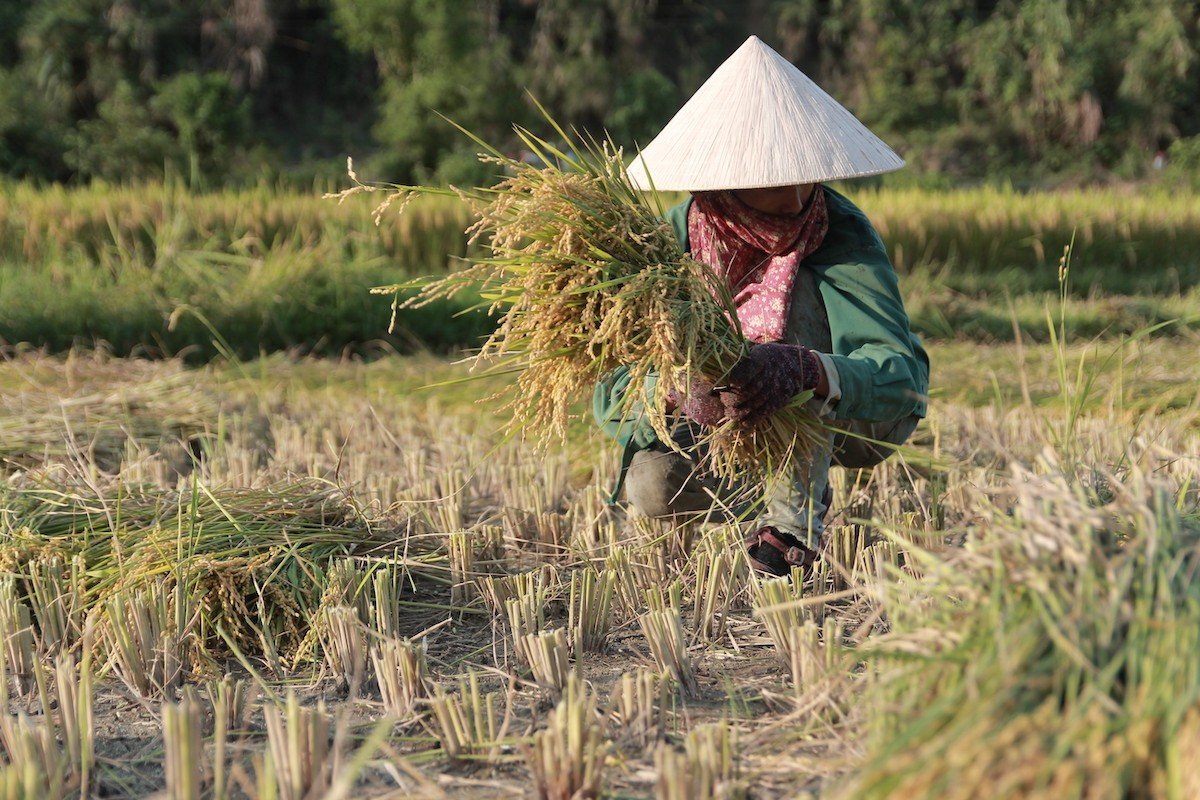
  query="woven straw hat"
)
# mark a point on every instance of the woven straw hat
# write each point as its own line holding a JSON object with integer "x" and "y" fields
{"x": 758, "y": 122}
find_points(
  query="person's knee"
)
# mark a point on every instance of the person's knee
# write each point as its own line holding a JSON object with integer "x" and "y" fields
{"x": 662, "y": 484}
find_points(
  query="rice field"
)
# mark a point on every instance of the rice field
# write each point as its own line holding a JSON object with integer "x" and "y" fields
{"x": 299, "y": 578}
{"x": 238, "y": 559}
{"x": 156, "y": 270}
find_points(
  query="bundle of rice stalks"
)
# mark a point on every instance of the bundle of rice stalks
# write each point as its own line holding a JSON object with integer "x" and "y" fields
{"x": 587, "y": 277}
{"x": 258, "y": 560}
{"x": 1051, "y": 656}
{"x": 567, "y": 757}
{"x": 40, "y": 769}
{"x": 814, "y": 652}
{"x": 76, "y": 715}
{"x": 534, "y": 589}
{"x": 461, "y": 548}
{"x": 231, "y": 700}
{"x": 721, "y": 570}
{"x": 779, "y": 605}
{"x": 636, "y": 574}
{"x": 386, "y": 587}
{"x": 525, "y": 610}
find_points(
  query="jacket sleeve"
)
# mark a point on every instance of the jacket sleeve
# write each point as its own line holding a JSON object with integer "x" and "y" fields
{"x": 882, "y": 367}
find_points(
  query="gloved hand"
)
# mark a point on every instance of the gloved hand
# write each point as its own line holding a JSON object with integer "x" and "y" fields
{"x": 766, "y": 380}
{"x": 701, "y": 404}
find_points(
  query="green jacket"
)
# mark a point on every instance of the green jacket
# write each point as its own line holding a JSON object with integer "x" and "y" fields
{"x": 883, "y": 369}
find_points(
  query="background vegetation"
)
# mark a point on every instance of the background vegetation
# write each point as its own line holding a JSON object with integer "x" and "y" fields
{"x": 1061, "y": 90}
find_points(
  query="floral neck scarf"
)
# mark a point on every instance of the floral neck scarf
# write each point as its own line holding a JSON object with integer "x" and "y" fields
{"x": 757, "y": 253}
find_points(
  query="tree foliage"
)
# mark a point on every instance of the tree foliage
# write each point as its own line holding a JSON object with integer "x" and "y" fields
{"x": 235, "y": 90}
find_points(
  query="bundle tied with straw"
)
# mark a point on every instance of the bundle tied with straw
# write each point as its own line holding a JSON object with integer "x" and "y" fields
{"x": 585, "y": 277}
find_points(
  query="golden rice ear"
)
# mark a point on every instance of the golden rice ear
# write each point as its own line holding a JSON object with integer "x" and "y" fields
{"x": 759, "y": 121}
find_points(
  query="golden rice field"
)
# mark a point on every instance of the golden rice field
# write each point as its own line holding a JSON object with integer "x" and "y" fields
{"x": 300, "y": 578}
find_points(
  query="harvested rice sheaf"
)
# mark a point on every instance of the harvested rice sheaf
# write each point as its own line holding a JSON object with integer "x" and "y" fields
{"x": 585, "y": 277}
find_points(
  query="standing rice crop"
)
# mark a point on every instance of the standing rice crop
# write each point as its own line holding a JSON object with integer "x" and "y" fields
{"x": 587, "y": 277}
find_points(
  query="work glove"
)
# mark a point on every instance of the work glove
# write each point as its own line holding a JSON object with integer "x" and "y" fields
{"x": 700, "y": 403}
{"x": 766, "y": 380}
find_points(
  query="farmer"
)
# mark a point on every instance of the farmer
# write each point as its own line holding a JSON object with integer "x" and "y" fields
{"x": 815, "y": 293}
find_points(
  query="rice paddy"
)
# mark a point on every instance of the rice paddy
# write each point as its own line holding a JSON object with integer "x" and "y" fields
{"x": 155, "y": 269}
{"x": 232, "y": 569}
{"x": 302, "y": 578}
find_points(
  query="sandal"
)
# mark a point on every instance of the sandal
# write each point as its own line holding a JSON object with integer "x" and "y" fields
{"x": 776, "y": 552}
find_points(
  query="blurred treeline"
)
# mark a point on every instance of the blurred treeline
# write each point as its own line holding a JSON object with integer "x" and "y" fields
{"x": 243, "y": 91}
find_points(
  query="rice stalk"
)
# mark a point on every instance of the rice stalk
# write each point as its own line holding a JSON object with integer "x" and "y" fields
{"x": 814, "y": 652}
{"x": 448, "y": 512}
{"x": 298, "y": 743}
{"x": 386, "y": 588}
{"x": 719, "y": 571}
{"x": 776, "y": 603}
{"x": 566, "y": 758}
{"x": 663, "y": 630}
{"x": 183, "y": 744}
{"x": 402, "y": 673}
{"x": 641, "y": 706}
{"x": 147, "y": 633}
{"x": 55, "y": 588}
{"x": 665, "y": 596}
{"x": 466, "y": 724}
{"x": 76, "y": 714}
{"x": 35, "y": 769}
{"x": 590, "y": 604}
{"x": 16, "y": 629}
{"x": 707, "y": 769}
{"x": 345, "y": 647}
{"x": 232, "y": 701}
{"x": 461, "y": 548}
{"x": 635, "y": 577}
{"x": 547, "y": 655}
{"x": 525, "y": 610}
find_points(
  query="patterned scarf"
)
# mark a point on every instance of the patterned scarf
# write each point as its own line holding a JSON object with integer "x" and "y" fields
{"x": 757, "y": 253}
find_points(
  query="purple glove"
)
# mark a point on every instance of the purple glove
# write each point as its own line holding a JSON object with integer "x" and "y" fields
{"x": 767, "y": 379}
{"x": 700, "y": 404}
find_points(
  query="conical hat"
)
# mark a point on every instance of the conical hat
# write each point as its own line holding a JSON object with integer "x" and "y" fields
{"x": 757, "y": 122}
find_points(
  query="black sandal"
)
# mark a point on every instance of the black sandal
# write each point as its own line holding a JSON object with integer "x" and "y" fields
{"x": 776, "y": 552}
